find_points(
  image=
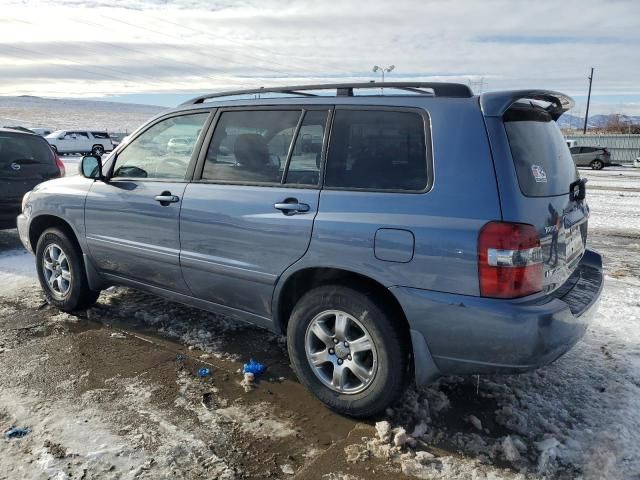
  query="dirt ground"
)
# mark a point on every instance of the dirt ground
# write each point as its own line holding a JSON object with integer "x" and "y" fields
{"x": 114, "y": 392}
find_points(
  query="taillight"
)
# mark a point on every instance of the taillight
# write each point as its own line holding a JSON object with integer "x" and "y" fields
{"x": 59, "y": 164}
{"x": 509, "y": 260}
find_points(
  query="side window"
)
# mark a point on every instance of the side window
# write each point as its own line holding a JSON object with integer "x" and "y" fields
{"x": 81, "y": 135}
{"x": 587, "y": 150}
{"x": 250, "y": 146}
{"x": 377, "y": 150}
{"x": 574, "y": 149}
{"x": 100, "y": 135}
{"x": 157, "y": 153}
{"x": 304, "y": 166}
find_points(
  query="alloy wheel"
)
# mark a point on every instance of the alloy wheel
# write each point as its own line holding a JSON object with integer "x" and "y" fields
{"x": 341, "y": 352}
{"x": 57, "y": 271}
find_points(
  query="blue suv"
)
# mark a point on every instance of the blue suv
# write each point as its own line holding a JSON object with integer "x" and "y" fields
{"x": 392, "y": 235}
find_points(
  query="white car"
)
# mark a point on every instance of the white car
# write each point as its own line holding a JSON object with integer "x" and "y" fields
{"x": 43, "y": 132}
{"x": 183, "y": 145}
{"x": 80, "y": 141}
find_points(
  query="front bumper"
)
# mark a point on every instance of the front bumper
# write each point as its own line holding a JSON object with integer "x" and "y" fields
{"x": 475, "y": 335}
{"x": 23, "y": 231}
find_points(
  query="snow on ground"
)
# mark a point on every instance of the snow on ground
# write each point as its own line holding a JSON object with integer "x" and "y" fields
{"x": 577, "y": 418}
{"x": 17, "y": 269}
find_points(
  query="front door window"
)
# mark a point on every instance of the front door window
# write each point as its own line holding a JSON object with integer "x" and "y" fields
{"x": 163, "y": 152}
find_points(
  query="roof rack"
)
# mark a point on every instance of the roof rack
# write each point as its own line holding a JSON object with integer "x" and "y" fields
{"x": 438, "y": 89}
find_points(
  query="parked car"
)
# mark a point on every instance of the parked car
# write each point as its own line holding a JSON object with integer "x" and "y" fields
{"x": 43, "y": 132}
{"x": 25, "y": 160}
{"x": 595, "y": 157}
{"x": 183, "y": 145}
{"x": 80, "y": 141}
{"x": 397, "y": 238}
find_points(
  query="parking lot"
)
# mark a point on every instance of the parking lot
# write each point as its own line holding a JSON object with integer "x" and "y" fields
{"x": 113, "y": 392}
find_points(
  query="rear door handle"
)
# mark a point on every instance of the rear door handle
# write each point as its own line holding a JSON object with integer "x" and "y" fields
{"x": 165, "y": 198}
{"x": 291, "y": 207}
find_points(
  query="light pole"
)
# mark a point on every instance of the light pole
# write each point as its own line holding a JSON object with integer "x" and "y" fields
{"x": 382, "y": 70}
{"x": 586, "y": 115}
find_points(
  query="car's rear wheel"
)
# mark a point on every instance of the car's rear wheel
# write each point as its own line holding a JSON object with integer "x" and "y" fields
{"x": 97, "y": 150}
{"x": 61, "y": 271}
{"x": 346, "y": 349}
{"x": 597, "y": 164}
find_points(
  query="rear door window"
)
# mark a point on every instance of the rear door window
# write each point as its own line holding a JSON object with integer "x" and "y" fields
{"x": 251, "y": 147}
{"x": 379, "y": 150}
{"x": 543, "y": 163}
{"x": 304, "y": 165}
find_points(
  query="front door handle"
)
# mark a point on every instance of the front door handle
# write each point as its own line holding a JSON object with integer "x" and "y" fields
{"x": 165, "y": 198}
{"x": 291, "y": 206}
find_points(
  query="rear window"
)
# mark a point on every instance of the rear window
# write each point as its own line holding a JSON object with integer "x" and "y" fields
{"x": 377, "y": 150}
{"x": 543, "y": 162}
{"x": 15, "y": 147}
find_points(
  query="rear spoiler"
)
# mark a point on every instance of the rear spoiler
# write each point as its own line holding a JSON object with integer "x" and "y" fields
{"x": 495, "y": 104}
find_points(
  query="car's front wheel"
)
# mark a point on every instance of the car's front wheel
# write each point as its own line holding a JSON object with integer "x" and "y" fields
{"x": 97, "y": 150}
{"x": 61, "y": 272}
{"x": 597, "y": 164}
{"x": 346, "y": 348}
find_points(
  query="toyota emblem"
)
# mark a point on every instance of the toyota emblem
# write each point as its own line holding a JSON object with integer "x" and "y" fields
{"x": 15, "y": 166}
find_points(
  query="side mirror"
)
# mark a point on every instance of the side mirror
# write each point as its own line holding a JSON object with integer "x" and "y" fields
{"x": 91, "y": 167}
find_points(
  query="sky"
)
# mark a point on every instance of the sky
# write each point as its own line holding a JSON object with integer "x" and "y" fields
{"x": 164, "y": 51}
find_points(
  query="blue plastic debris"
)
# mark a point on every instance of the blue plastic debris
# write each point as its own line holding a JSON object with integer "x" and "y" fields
{"x": 16, "y": 432}
{"x": 204, "y": 372}
{"x": 254, "y": 367}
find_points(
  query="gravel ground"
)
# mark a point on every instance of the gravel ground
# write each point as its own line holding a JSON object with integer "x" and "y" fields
{"x": 114, "y": 393}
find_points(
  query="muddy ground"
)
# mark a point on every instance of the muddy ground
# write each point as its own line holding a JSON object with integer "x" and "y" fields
{"x": 114, "y": 392}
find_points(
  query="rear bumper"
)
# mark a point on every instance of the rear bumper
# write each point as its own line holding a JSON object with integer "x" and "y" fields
{"x": 475, "y": 335}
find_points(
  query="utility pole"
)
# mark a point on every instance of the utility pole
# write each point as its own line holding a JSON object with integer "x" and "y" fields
{"x": 586, "y": 115}
{"x": 382, "y": 70}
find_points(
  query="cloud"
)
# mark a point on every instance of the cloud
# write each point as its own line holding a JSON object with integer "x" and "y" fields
{"x": 100, "y": 47}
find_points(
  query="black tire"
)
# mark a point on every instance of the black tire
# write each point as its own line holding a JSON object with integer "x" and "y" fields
{"x": 97, "y": 150}
{"x": 390, "y": 376}
{"x": 79, "y": 295}
{"x": 597, "y": 164}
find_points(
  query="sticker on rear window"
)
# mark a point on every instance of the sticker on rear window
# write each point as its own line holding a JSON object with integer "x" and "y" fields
{"x": 538, "y": 174}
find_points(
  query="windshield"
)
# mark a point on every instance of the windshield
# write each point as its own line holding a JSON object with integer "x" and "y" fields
{"x": 55, "y": 134}
{"x": 540, "y": 154}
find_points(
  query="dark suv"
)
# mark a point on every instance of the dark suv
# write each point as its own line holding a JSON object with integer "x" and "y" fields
{"x": 391, "y": 237}
{"x": 26, "y": 159}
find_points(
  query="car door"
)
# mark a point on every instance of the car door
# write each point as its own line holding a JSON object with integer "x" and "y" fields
{"x": 249, "y": 214}
{"x": 132, "y": 219}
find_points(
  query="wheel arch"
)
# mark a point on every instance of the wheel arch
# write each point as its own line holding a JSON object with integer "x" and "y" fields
{"x": 295, "y": 285}
{"x": 40, "y": 223}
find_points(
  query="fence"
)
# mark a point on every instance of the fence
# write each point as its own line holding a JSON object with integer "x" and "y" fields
{"x": 624, "y": 148}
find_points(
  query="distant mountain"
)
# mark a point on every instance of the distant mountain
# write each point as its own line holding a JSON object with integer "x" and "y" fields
{"x": 59, "y": 114}
{"x": 595, "y": 121}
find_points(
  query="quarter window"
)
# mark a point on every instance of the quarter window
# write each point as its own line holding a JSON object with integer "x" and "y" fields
{"x": 377, "y": 150}
{"x": 163, "y": 151}
{"x": 251, "y": 146}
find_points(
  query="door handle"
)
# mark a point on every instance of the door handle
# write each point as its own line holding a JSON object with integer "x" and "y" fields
{"x": 165, "y": 198}
{"x": 291, "y": 206}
